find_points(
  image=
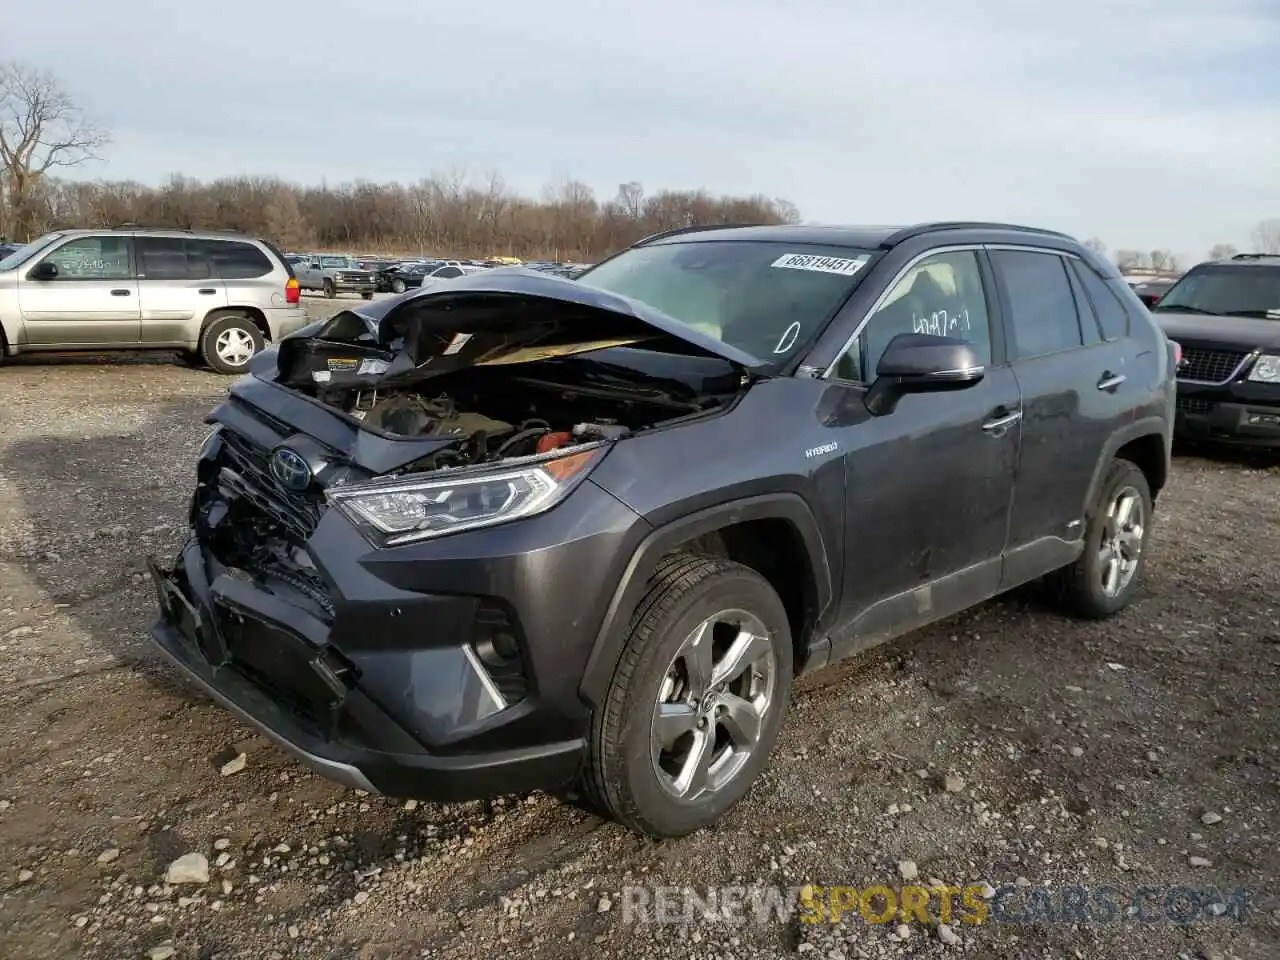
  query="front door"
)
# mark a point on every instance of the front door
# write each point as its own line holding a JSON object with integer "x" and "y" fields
{"x": 175, "y": 288}
{"x": 928, "y": 486}
{"x": 93, "y": 299}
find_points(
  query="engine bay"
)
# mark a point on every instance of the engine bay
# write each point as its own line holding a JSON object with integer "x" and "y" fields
{"x": 486, "y": 417}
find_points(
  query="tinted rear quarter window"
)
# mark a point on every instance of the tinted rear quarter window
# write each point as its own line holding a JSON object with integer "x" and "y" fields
{"x": 234, "y": 260}
{"x": 1112, "y": 316}
{"x": 1042, "y": 308}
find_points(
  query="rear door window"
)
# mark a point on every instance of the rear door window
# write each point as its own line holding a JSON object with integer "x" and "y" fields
{"x": 1043, "y": 310}
{"x": 161, "y": 258}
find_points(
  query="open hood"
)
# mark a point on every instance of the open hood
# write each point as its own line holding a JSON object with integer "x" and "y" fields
{"x": 500, "y": 316}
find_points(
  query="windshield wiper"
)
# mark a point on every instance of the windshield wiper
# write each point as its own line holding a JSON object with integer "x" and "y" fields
{"x": 1185, "y": 309}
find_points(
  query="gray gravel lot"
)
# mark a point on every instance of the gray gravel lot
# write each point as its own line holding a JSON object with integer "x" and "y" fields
{"x": 1138, "y": 753}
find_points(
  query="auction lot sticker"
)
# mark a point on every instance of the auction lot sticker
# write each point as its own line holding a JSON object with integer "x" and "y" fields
{"x": 808, "y": 261}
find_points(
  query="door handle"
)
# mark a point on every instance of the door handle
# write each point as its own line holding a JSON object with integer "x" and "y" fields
{"x": 208, "y": 291}
{"x": 1110, "y": 381}
{"x": 119, "y": 293}
{"x": 998, "y": 425}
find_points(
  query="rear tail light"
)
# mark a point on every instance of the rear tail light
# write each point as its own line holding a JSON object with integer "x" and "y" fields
{"x": 292, "y": 292}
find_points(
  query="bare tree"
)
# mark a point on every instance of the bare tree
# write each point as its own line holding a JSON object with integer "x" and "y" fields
{"x": 630, "y": 199}
{"x": 1266, "y": 236}
{"x": 1222, "y": 251}
{"x": 1130, "y": 259}
{"x": 1161, "y": 260}
{"x": 41, "y": 129}
{"x": 1096, "y": 245}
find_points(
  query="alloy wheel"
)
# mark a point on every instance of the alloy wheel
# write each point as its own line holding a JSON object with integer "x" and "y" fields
{"x": 711, "y": 705}
{"x": 1121, "y": 545}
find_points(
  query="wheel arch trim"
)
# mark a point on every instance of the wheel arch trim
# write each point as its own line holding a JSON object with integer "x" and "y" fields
{"x": 788, "y": 507}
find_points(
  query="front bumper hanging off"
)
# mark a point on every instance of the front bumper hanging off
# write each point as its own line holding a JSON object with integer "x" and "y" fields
{"x": 269, "y": 663}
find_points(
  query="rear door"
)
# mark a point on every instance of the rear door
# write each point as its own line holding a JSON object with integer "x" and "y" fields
{"x": 176, "y": 289}
{"x": 1075, "y": 394}
{"x": 93, "y": 299}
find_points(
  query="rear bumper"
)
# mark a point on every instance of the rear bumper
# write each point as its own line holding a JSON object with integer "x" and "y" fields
{"x": 1243, "y": 413}
{"x": 282, "y": 321}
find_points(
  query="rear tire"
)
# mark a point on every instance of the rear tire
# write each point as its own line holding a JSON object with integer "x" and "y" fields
{"x": 1105, "y": 577}
{"x": 230, "y": 342}
{"x": 397, "y": 286}
{"x": 330, "y": 290}
{"x": 696, "y": 700}
{"x": 367, "y": 295}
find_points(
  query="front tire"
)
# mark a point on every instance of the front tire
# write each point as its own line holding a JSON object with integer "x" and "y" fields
{"x": 1105, "y": 577}
{"x": 230, "y": 342}
{"x": 696, "y": 700}
{"x": 330, "y": 290}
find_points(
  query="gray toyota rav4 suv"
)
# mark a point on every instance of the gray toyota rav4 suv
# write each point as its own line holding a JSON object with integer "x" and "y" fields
{"x": 218, "y": 297}
{"x": 518, "y": 531}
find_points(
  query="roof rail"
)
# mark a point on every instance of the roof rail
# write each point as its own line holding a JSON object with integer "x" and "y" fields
{"x": 922, "y": 228}
{"x": 697, "y": 228}
{"x": 1256, "y": 256}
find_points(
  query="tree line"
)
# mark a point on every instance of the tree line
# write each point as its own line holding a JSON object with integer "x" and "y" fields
{"x": 43, "y": 134}
{"x": 442, "y": 214}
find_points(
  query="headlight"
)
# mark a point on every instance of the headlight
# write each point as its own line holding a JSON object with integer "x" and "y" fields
{"x": 1266, "y": 370}
{"x": 430, "y": 505}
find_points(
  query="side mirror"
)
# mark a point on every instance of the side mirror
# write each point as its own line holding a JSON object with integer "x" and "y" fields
{"x": 922, "y": 363}
{"x": 43, "y": 271}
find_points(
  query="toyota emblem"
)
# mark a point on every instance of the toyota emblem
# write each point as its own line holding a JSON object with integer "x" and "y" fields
{"x": 290, "y": 470}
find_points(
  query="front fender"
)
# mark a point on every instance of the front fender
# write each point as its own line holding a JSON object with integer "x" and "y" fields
{"x": 788, "y": 507}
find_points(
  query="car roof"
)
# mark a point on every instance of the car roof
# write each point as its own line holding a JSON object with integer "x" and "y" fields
{"x": 1249, "y": 260}
{"x": 130, "y": 229}
{"x": 864, "y": 236}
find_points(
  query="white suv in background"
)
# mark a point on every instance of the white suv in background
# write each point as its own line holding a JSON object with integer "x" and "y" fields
{"x": 217, "y": 296}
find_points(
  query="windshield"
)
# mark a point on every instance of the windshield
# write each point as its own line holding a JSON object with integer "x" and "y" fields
{"x": 25, "y": 253}
{"x": 341, "y": 262}
{"x": 766, "y": 298}
{"x": 1233, "y": 291}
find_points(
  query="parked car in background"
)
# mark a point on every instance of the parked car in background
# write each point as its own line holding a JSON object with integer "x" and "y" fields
{"x": 333, "y": 274}
{"x": 1226, "y": 316}
{"x": 581, "y": 535}
{"x": 1150, "y": 291}
{"x": 404, "y": 278}
{"x": 217, "y": 297}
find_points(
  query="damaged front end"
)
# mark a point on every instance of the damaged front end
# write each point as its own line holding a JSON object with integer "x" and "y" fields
{"x": 350, "y": 586}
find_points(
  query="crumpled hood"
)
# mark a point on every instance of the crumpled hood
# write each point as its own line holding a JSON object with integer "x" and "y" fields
{"x": 500, "y": 316}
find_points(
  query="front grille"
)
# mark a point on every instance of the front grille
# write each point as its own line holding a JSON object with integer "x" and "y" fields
{"x": 247, "y": 473}
{"x": 1193, "y": 405}
{"x": 1209, "y": 366}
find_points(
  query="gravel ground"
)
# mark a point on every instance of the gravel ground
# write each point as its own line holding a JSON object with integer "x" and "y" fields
{"x": 1007, "y": 747}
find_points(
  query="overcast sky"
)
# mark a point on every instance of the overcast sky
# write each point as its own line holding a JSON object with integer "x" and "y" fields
{"x": 1149, "y": 123}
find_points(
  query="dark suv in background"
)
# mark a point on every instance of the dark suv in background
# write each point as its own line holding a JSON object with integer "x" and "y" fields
{"x": 1226, "y": 316}
{"x": 520, "y": 531}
